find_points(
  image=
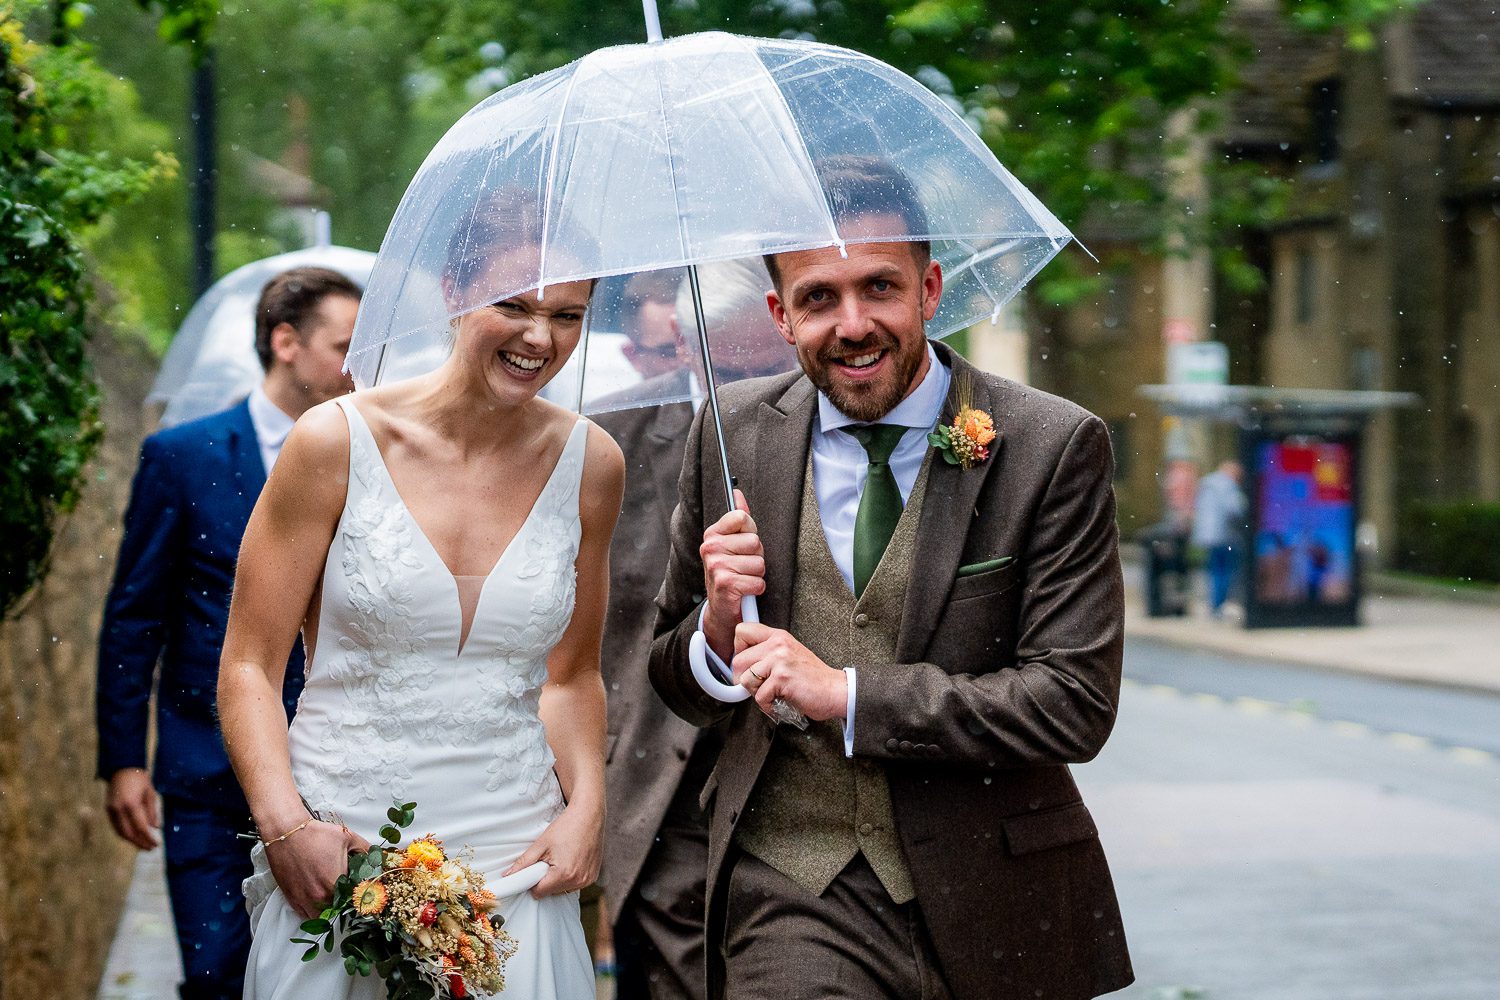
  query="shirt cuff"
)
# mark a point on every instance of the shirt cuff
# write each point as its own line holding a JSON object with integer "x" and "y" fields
{"x": 720, "y": 667}
{"x": 849, "y": 715}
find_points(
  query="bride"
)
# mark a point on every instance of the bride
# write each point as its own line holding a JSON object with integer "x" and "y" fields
{"x": 443, "y": 544}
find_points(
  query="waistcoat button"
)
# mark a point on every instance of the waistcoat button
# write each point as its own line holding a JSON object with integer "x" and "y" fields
{"x": 861, "y": 620}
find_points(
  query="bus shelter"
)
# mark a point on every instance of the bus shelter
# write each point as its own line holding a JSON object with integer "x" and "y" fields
{"x": 1301, "y": 452}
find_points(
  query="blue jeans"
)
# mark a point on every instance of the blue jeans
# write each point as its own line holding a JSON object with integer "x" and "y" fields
{"x": 1223, "y": 560}
{"x": 206, "y": 863}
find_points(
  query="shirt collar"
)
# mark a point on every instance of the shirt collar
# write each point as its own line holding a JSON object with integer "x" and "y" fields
{"x": 272, "y": 424}
{"x": 922, "y": 408}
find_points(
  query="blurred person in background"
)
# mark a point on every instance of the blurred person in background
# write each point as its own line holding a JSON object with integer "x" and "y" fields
{"x": 648, "y": 317}
{"x": 1219, "y": 528}
{"x": 656, "y": 842}
{"x": 169, "y": 604}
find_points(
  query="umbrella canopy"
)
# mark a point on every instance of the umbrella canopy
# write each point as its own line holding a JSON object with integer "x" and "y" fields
{"x": 212, "y": 361}
{"x": 701, "y": 148}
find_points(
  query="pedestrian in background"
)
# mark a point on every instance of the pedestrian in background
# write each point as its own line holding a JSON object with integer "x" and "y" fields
{"x": 192, "y": 496}
{"x": 1219, "y": 528}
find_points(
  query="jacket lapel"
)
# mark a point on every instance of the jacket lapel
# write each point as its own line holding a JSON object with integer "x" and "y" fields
{"x": 948, "y": 510}
{"x": 665, "y": 436}
{"x": 245, "y": 465}
{"x": 774, "y": 491}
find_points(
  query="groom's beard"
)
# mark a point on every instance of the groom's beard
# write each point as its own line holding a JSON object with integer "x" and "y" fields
{"x": 866, "y": 401}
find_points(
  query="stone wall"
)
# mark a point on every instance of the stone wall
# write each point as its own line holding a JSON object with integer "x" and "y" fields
{"x": 64, "y": 872}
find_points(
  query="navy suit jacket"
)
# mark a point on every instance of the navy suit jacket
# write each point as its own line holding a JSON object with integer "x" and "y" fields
{"x": 169, "y": 604}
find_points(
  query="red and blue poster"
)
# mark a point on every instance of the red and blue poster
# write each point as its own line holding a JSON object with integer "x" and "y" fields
{"x": 1304, "y": 542}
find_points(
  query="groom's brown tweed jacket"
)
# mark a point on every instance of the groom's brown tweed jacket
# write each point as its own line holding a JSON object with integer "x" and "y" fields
{"x": 1000, "y": 680}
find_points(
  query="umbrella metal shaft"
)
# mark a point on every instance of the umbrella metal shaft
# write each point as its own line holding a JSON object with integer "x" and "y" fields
{"x": 708, "y": 379}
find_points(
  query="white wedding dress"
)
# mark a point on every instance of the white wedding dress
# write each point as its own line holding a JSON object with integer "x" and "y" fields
{"x": 402, "y": 704}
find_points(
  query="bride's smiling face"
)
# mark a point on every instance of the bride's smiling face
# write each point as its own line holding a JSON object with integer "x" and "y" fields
{"x": 516, "y": 346}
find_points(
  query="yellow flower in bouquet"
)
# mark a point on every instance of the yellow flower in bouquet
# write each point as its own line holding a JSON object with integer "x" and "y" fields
{"x": 419, "y": 919}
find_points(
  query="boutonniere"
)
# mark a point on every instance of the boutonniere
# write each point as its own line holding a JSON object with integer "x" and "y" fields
{"x": 965, "y": 442}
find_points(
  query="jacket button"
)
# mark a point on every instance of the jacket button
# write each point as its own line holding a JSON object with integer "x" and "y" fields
{"x": 866, "y": 829}
{"x": 906, "y": 746}
{"x": 890, "y": 744}
{"x": 861, "y": 620}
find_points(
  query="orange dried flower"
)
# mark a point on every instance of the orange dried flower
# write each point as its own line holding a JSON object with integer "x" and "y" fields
{"x": 427, "y": 852}
{"x": 370, "y": 897}
{"x": 481, "y": 899}
{"x": 976, "y": 425}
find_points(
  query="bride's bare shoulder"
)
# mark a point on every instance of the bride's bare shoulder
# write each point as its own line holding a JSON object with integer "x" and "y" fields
{"x": 319, "y": 435}
{"x": 603, "y": 485}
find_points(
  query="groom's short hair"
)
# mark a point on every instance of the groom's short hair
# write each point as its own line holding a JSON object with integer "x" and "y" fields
{"x": 868, "y": 185}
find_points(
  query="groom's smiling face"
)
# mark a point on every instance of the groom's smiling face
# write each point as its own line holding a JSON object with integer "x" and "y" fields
{"x": 858, "y": 322}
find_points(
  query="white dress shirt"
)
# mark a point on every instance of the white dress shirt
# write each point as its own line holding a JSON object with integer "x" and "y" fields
{"x": 839, "y": 465}
{"x": 272, "y": 424}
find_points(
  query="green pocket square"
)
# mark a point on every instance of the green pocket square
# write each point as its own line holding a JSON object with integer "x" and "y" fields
{"x": 973, "y": 569}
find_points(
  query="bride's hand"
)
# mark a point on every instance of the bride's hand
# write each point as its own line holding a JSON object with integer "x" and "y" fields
{"x": 310, "y": 861}
{"x": 572, "y": 846}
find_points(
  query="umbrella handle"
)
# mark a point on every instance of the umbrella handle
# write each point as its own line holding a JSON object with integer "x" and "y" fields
{"x": 713, "y": 685}
{"x": 707, "y": 676}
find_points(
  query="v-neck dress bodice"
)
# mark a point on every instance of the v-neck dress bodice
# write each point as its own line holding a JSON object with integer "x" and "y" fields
{"x": 400, "y": 705}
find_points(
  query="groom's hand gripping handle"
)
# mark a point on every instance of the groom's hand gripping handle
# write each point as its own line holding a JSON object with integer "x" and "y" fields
{"x": 773, "y": 665}
{"x": 734, "y": 566}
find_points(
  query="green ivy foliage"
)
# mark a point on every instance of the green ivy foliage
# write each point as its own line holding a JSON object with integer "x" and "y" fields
{"x": 49, "y": 400}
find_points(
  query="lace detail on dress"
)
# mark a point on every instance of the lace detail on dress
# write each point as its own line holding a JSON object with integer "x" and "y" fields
{"x": 384, "y": 669}
{"x": 549, "y": 558}
{"x": 397, "y": 687}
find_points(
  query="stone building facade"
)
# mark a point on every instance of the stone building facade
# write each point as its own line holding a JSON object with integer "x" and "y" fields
{"x": 1384, "y": 273}
{"x": 63, "y": 870}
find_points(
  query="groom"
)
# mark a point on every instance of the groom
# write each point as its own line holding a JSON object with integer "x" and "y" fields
{"x": 953, "y": 632}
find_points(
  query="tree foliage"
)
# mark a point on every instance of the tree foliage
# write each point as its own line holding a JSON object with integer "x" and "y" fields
{"x": 1084, "y": 101}
{"x": 50, "y": 191}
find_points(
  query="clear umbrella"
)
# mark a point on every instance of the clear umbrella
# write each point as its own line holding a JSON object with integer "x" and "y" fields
{"x": 212, "y": 361}
{"x": 694, "y": 149}
{"x": 679, "y": 153}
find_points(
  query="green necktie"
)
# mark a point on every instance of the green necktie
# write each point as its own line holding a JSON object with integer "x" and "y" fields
{"x": 880, "y": 504}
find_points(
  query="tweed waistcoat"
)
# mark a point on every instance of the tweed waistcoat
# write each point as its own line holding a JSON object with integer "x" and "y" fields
{"x": 813, "y": 809}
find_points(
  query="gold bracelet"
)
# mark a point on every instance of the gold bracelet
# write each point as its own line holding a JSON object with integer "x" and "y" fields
{"x": 276, "y": 840}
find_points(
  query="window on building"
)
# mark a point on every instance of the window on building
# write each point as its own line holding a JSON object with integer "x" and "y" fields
{"x": 1307, "y": 285}
{"x": 1326, "y": 99}
{"x": 1365, "y": 368}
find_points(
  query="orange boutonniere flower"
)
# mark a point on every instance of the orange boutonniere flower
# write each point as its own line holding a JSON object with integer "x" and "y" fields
{"x": 965, "y": 442}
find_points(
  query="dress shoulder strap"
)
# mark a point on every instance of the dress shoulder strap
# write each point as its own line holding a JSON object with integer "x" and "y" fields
{"x": 567, "y": 478}
{"x": 364, "y": 454}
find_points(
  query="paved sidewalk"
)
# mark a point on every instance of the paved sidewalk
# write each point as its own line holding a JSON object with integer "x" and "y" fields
{"x": 1416, "y": 639}
{"x": 143, "y": 963}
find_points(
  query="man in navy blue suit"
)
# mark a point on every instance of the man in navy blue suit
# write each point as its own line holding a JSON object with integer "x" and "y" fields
{"x": 192, "y": 496}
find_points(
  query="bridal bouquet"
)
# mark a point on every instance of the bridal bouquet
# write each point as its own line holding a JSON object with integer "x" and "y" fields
{"x": 415, "y": 917}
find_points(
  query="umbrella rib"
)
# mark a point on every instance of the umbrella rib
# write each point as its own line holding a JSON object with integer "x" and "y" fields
{"x": 801, "y": 145}
{"x": 666, "y": 130}
{"x": 562, "y": 111}
{"x": 975, "y": 258}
